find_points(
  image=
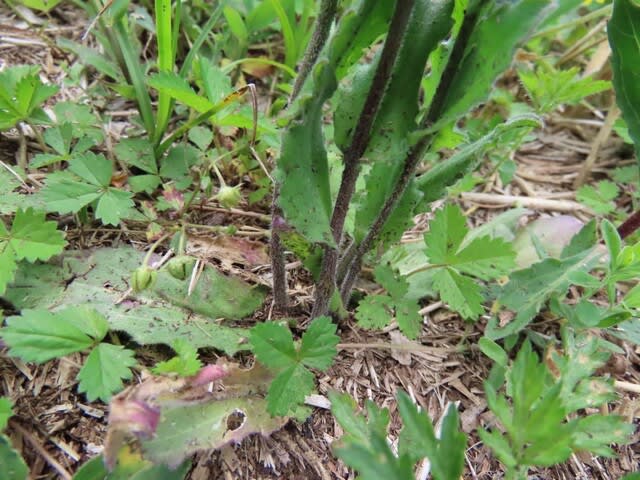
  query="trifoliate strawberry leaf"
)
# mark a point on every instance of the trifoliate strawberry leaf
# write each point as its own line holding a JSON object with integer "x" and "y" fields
{"x": 61, "y": 139}
{"x": 274, "y": 347}
{"x": 102, "y": 373}
{"x": 39, "y": 335}
{"x": 455, "y": 253}
{"x": 318, "y": 346}
{"x": 482, "y": 257}
{"x": 461, "y": 293}
{"x": 87, "y": 180}
{"x": 185, "y": 363}
{"x": 32, "y": 238}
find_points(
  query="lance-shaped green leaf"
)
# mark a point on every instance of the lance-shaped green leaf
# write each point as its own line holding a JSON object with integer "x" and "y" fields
{"x": 624, "y": 37}
{"x": 303, "y": 171}
{"x": 396, "y": 120}
{"x": 446, "y": 173}
{"x": 529, "y": 289}
{"x": 499, "y": 29}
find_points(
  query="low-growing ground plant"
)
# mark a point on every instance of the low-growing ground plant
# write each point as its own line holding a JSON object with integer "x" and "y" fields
{"x": 374, "y": 128}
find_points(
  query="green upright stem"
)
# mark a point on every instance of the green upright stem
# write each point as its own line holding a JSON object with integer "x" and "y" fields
{"x": 352, "y": 260}
{"x": 355, "y": 150}
{"x": 328, "y": 10}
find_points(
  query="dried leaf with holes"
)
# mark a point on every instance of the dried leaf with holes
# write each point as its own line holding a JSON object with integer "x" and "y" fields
{"x": 171, "y": 418}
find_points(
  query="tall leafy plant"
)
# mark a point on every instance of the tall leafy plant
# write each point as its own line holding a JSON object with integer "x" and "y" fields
{"x": 381, "y": 129}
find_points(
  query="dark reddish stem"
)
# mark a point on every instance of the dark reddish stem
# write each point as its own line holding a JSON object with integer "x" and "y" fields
{"x": 630, "y": 225}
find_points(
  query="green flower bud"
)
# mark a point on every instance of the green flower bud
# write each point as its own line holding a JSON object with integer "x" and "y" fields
{"x": 180, "y": 267}
{"x": 229, "y": 197}
{"x": 143, "y": 278}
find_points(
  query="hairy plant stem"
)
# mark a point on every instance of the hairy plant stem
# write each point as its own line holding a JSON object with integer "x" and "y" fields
{"x": 359, "y": 142}
{"x": 351, "y": 262}
{"x": 328, "y": 10}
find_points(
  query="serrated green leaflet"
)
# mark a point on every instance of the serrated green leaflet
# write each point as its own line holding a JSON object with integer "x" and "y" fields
{"x": 454, "y": 257}
{"x": 482, "y": 257}
{"x": 624, "y": 37}
{"x": 21, "y": 95}
{"x": 461, "y": 293}
{"x": 103, "y": 371}
{"x": 318, "y": 345}
{"x": 273, "y": 346}
{"x": 289, "y": 388}
{"x": 39, "y": 335}
{"x": 31, "y": 238}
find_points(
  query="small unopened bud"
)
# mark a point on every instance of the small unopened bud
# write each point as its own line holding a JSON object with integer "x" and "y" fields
{"x": 180, "y": 267}
{"x": 143, "y": 278}
{"x": 229, "y": 197}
